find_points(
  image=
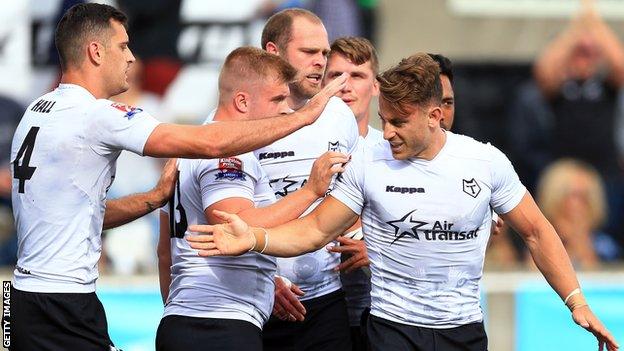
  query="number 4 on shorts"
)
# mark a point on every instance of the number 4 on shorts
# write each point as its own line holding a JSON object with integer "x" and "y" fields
{"x": 23, "y": 171}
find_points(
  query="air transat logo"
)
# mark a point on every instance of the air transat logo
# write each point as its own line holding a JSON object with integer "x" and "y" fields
{"x": 284, "y": 186}
{"x": 406, "y": 226}
{"x": 441, "y": 230}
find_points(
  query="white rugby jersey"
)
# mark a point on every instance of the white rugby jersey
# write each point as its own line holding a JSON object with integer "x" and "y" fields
{"x": 288, "y": 163}
{"x": 218, "y": 287}
{"x": 426, "y": 226}
{"x": 373, "y": 136}
{"x": 63, "y": 162}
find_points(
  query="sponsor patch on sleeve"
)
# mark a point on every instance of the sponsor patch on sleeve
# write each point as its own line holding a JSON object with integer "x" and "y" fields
{"x": 129, "y": 111}
{"x": 230, "y": 168}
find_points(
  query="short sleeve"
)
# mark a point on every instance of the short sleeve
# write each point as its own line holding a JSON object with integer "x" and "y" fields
{"x": 507, "y": 190}
{"x": 225, "y": 178}
{"x": 349, "y": 186}
{"x": 116, "y": 127}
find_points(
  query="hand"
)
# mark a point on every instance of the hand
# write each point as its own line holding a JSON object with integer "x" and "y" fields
{"x": 498, "y": 226}
{"x": 323, "y": 170}
{"x": 232, "y": 238}
{"x": 584, "y": 317}
{"x": 287, "y": 306}
{"x": 166, "y": 184}
{"x": 356, "y": 249}
{"x": 313, "y": 109}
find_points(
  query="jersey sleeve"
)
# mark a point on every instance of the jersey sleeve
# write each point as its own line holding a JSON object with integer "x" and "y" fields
{"x": 116, "y": 127}
{"x": 349, "y": 188}
{"x": 507, "y": 190}
{"x": 224, "y": 178}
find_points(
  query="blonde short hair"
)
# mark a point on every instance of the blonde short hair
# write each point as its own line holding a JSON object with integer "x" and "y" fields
{"x": 556, "y": 183}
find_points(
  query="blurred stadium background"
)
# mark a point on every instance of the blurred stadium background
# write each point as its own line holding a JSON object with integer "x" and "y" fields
{"x": 493, "y": 45}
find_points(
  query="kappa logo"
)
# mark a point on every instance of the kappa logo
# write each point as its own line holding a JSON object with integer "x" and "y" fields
{"x": 275, "y": 155}
{"x": 403, "y": 189}
{"x": 333, "y": 146}
{"x": 471, "y": 187}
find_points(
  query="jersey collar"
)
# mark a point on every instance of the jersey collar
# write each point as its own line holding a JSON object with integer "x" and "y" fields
{"x": 76, "y": 89}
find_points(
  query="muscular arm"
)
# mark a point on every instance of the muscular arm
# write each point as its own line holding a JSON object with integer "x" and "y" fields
{"x": 128, "y": 208}
{"x": 544, "y": 245}
{"x": 235, "y": 137}
{"x": 329, "y": 220}
{"x": 552, "y": 260}
{"x": 282, "y": 211}
{"x": 164, "y": 256}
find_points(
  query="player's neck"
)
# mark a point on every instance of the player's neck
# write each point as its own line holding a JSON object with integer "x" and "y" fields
{"x": 433, "y": 149}
{"x": 88, "y": 81}
{"x": 363, "y": 124}
{"x": 223, "y": 114}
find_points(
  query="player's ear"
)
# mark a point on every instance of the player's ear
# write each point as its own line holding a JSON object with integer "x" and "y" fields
{"x": 241, "y": 102}
{"x": 95, "y": 52}
{"x": 375, "y": 87}
{"x": 435, "y": 116}
{"x": 272, "y": 48}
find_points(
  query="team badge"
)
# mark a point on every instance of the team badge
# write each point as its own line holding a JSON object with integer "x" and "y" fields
{"x": 471, "y": 187}
{"x": 129, "y": 111}
{"x": 335, "y": 146}
{"x": 230, "y": 168}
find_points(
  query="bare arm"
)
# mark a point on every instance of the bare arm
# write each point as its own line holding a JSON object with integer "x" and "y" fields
{"x": 552, "y": 260}
{"x": 164, "y": 256}
{"x": 608, "y": 43}
{"x": 235, "y": 137}
{"x": 128, "y": 208}
{"x": 328, "y": 220}
{"x": 287, "y": 208}
{"x": 544, "y": 245}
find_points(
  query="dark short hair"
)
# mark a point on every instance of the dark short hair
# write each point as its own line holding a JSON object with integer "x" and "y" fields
{"x": 446, "y": 67}
{"x": 414, "y": 82}
{"x": 278, "y": 28}
{"x": 79, "y": 24}
{"x": 357, "y": 49}
{"x": 247, "y": 63}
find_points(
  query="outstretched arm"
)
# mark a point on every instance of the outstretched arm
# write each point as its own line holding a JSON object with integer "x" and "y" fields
{"x": 552, "y": 260}
{"x": 230, "y": 138}
{"x": 128, "y": 208}
{"x": 330, "y": 219}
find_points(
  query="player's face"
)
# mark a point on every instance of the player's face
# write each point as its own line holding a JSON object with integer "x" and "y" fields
{"x": 117, "y": 60}
{"x": 269, "y": 99}
{"x": 307, "y": 51}
{"x": 448, "y": 103}
{"x": 360, "y": 87}
{"x": 409, "y": 135}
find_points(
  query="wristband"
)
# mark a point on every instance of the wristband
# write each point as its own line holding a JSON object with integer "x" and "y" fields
{"x": 255, "y": 242}
{"x": 266, "y": 239}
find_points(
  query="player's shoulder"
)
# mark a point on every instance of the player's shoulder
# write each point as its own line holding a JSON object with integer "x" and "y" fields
{"x": 109, "y": 108}
{"x": 244, "y": 163}
{"x": 466, "y": 147}
{"x": 337, "y": 108}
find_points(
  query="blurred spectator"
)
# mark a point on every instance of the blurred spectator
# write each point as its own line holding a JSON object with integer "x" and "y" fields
{"x": 342, "y": 18}
{"x": 571, "y": 109}
{"x": 10, "y": 114}
{"x": 155, "y": 27}
{"x": 571, "y": 196}
{"x": 131, "y": 248}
